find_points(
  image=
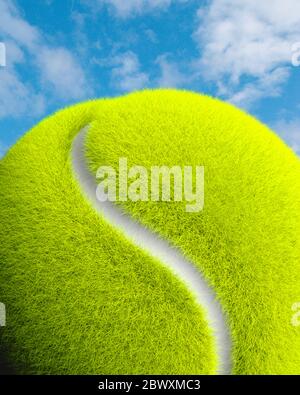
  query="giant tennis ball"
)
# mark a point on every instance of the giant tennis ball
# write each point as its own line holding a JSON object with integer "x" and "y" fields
{"x": 81, "y": 298}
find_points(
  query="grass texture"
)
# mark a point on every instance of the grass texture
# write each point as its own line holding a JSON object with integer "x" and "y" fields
{"x": 246, "y": 241}
{"x": 82, "y": 299}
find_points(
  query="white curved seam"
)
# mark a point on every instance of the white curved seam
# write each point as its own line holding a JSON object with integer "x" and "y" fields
{"x": 160, "y": 249}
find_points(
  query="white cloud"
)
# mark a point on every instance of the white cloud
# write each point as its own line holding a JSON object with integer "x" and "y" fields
{"x": 171, "y": 76}
{"x": 129, "y": 8}
{"x": 151, "y": 35}
{"x": 245, "y": 42}
{"x": 60, "y": 72}
{"x": 14, "y": 54}
{"x": 289, "y": 130}
{"x": 18, "y": 98}
{"x": 250, "y": 93}
{"x": 14, "y": 26}
{"x": 126, "y": 73}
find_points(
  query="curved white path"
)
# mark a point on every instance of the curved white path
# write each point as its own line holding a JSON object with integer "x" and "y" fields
{"x": 160, "y": 249}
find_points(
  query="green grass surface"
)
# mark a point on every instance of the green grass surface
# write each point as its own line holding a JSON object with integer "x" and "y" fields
{"x": 247, "y": 239}
{"x": 80, "y": 299}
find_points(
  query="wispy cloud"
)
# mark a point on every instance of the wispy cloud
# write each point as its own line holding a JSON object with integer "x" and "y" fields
{"x": 56, "y": 67}
{"x": 246, "y": 46}
{"x": 151, "y": 36}
{"x": 126, "y": 72}
{"x": 14, "y": 26}
{"x": 170, "y": 74}
{"x": 62, "y": 74}
{"x": 249, "y": 93}
{"x": 289, "y": 130}
{"x": 18, "y": 98}
{"x": 130, "y": 8}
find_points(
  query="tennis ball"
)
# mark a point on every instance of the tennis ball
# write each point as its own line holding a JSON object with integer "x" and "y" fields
{"x": 81, "y": 298}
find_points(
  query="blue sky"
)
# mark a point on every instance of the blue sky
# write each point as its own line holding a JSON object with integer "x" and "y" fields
{"x": 61, "y": 52}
